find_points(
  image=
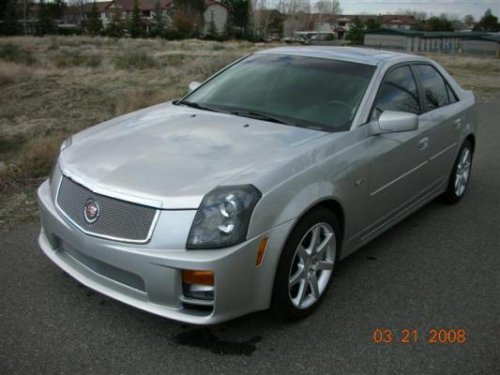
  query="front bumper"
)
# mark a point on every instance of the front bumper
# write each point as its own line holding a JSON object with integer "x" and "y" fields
{"x": 148, "y": 276}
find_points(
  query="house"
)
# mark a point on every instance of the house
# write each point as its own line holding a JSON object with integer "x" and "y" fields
{"x": 340, "y": 24}
{"x": 215, "y": 17}
{"x": 124, "y": 9}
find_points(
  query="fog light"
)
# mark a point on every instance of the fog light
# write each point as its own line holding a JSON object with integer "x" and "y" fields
{"x": 195, "y": 291}
{"x": 198, "y": 284}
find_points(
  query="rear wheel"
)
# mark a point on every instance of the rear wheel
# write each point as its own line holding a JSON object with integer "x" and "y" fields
{"x": 460, "y": 175}
{"x": 306, "y": 265}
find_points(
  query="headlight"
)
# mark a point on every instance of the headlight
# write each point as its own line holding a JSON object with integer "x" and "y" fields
{"x": 66, "y": 143}
{"x": 223, "y": 217}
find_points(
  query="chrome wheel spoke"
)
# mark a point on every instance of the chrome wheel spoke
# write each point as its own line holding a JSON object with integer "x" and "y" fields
{"x": 314, "y": 240}
{"x": 320, "y": 250}
{"x": 299, "y": 275}
{"x": 313, "y": 284}
{"x": 302, "y": 293}
{"x": 462, "y": 172}
{"x": 465, "y": 157}
{"x": 325, "y": 265}
{"x": 302, "y": 253}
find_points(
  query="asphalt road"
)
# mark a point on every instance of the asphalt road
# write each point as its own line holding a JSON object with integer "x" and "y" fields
{"x": 438, "y": 269}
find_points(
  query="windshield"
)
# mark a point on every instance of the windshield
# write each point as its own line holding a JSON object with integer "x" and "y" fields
{"x": 310, "y": 92}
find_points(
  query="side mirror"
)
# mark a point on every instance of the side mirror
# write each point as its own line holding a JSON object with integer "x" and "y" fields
{"x": 193, "y": 86}
{"x": 395, "y": 122}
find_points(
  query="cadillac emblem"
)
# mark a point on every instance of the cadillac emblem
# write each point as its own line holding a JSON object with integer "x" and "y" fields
{"x": 91, "y": 211}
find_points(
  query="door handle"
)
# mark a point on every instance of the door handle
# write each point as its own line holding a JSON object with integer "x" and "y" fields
{"x": 423, "y": 143}
{"x": 457, "y": 123}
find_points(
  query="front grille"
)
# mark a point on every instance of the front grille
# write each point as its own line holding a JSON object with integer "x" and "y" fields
{"x": 118, "y": 220}
{"x": 104, "y": 269}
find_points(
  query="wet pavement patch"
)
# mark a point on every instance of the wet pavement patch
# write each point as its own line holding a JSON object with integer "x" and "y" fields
{"x": 204, "y": 338}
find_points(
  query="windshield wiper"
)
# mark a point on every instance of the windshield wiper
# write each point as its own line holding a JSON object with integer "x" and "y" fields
{"x": 197, "y": 106}
{"x": 263, "y": 116}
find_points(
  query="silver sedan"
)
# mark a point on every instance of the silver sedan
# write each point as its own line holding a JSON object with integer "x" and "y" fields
{"x": 244, "y": 194}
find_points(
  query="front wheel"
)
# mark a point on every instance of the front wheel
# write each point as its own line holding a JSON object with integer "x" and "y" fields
{"x": 460, "y": 175}
{"x": 306, "y": 265}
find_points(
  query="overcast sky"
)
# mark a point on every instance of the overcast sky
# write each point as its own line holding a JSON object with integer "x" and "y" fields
{"x": 457, "y": 7}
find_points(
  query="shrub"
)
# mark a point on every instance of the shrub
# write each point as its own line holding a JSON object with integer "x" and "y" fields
{"x": 68, "y": 57}
{"x": 11, "y": 52}
{"x": 12, "y": 73}
{"x": 37, "y": 156}
{"x": 135, "y": 60}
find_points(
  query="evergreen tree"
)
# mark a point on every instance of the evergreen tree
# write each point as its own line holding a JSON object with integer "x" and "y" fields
{"x": 159, "y": 22}
{"x": 45, "y": 21}
{"x": 94, "y": 24}
{"x": 115, "y": 26}
{"x": 488, "y": 23}
{"x": 373, "y": 23}
{"x": 239, "y": 15}
{"x": 135, "y": 21}
{"x": 10, "y": 16}
{"x": 356, "y": 32}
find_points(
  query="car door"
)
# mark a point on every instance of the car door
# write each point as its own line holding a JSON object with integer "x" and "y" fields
{"x": 442, "y": 118}
{"x": 398, "y": 172}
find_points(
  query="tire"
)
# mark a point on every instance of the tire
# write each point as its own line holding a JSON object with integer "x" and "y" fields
{"x": 460, "y": 175}
{"x": 307, "y": 268}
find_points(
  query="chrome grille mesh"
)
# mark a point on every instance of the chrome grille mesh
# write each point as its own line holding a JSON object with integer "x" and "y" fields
{"x": 118, "y": 219}
{"x": 111, "y": 272}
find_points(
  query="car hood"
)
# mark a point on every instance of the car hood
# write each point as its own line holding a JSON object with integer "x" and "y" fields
{"x": 170, "y": 156}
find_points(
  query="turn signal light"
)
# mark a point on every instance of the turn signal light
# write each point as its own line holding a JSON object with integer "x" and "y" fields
{"x": 261, "y": 251}
{"x": 198, "y": 277}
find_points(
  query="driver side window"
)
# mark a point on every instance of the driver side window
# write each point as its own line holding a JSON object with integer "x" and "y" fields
{"x": 398, "y": 92}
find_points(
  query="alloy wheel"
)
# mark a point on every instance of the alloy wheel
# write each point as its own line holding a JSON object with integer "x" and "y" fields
{"x": 462, "y": 172}
{"x": 312, "y": 265}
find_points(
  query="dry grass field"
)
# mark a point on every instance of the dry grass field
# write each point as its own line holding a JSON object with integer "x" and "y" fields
{"x": 52, "y": 87}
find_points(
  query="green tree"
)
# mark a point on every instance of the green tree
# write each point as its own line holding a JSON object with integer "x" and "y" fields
{"x": 115, "y": 26}
{"x": 239, "y": 16}
{"x": 373, "y": 23}
{"x": 159, "y": 22}
{"x": 356, "y": 32}
{"x": 135, "y": 21}
{"x": 57, "y": 8}
{"x": 10, "y": 17}
{"x": 488, "y": 23}
{"x": 183, "y": 25}
{"x": 438, "y": 24}
{"x": 94, "y": 24}
{"x": 45, "y": 21}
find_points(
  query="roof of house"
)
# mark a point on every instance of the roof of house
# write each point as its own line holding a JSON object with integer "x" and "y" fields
{"x": 101, "y": 6}
{"x": 128, "y": 5}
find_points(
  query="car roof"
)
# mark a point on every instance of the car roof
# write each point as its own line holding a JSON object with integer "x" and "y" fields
{"x": 367, "y": 56}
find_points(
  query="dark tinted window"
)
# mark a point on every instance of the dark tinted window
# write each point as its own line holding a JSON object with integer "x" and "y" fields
{"x": 397, "y": 93}
{"x": 452, "y": 98}
{"x": 310, "y": 92}
{"x": 433, "y": 85}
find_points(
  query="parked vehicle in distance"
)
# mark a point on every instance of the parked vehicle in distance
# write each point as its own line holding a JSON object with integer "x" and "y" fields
{"x": 244, "y": 194}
